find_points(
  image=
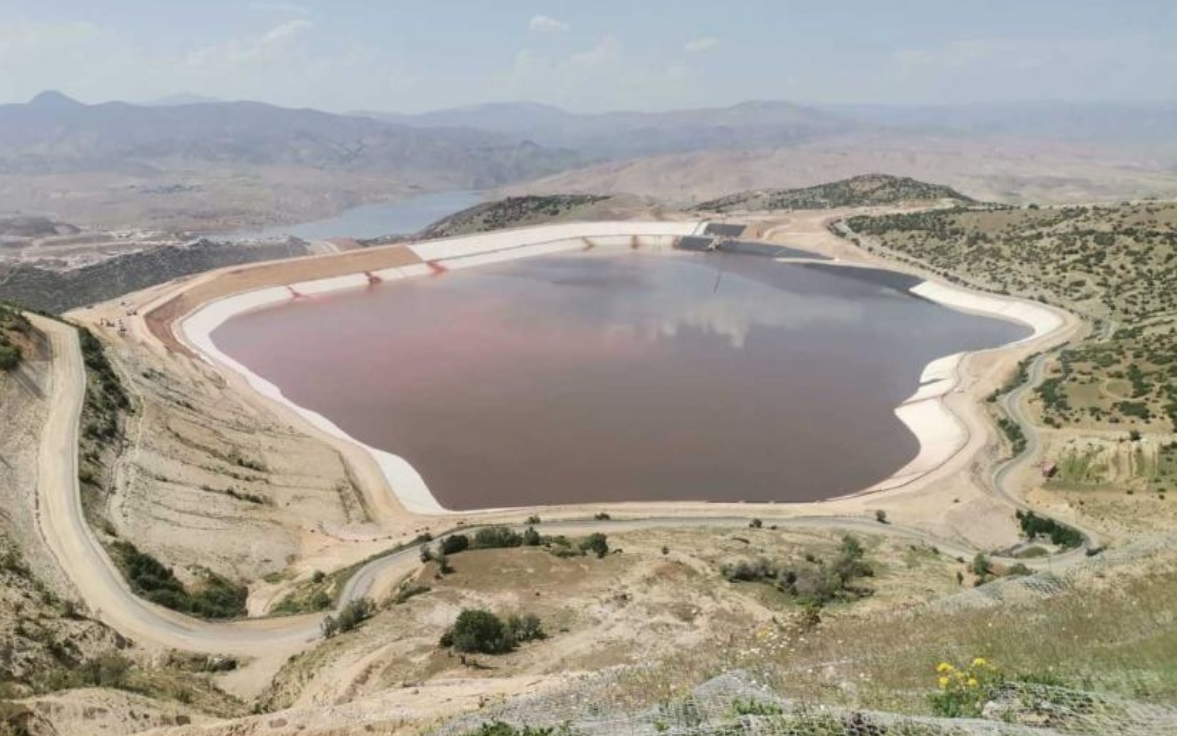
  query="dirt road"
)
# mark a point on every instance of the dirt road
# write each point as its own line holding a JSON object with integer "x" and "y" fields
{"x": 64, "y": 528}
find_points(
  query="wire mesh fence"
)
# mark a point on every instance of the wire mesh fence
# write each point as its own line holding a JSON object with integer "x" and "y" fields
{"x": 736, "y": 704}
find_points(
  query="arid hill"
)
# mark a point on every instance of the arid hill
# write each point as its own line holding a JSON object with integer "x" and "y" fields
{"x": 60, "y": 291}
{"x": 998, "y": 170}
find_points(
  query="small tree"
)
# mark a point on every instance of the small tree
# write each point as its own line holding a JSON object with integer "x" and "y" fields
{"x": 881, "y": 517}
{"x": 426, "y": 553}
{"x": 352, "y": 615}
{"x": 596, "y": 543}
{"x": 532, "y": 538}
{"x": 478, "y": 631}
{"x": 755, "y": 524}
{"x": 982, "y": 567}
{"x": 443, "y": 562}
{"x": 455, "y": 543}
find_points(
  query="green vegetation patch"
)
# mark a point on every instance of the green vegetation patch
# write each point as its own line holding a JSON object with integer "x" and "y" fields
{"x": 105, "y": 395}
{"x": 858, "y": 191}
{"x": 1116, "y": 264}
{"x": 477, "y": 631}
{"x": 216, "y": 598}
{"x": 509, "y": 212}
{"x": 814, "y": 582}
{"x": 14, "y": 327}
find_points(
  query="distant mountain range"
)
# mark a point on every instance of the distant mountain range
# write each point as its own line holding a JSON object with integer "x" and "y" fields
{"x": 632, "y": 134}
{"x": 772, "y": 124}
{"x": 1100, "y": 122}
{"x": 54, "y": 133}
{"x": 190, "y": 162}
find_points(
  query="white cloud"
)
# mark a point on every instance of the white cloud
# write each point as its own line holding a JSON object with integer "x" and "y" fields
{"x": 237, "y": 53}
{"x": 287, "y": 30}
{"x": 701, "y": 45}
{"x": 547, "y": 24}
{"x": 601, "y": 77}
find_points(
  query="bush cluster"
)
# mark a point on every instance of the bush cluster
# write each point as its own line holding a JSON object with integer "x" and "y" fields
{"x": 815, "y": 582}
{"x": 1059, "y": 534}
{"x": 353, "y": 614}
{"x": 477, "y": 631}
{"x": 217, "y": 598}
{"x": 11, "y": 321}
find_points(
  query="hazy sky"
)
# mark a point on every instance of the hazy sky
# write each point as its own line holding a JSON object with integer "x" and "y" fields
{"x": 590, "y": 54}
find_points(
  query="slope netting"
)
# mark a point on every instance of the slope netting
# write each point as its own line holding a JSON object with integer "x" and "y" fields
{"x": 735, "y": 704}
{"x": 1048, "y": 582}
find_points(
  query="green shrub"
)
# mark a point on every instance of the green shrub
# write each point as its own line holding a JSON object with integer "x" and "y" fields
{"x": 496, "y": 537}
{"x": 217, "y": 598}
{"x": 498, "y": 728}
{"x": 478, "y": 631}
{"x": 1060, "y": 534}
{"x": 454, "y": 544}
{"x": 596, "y": 543}
{"x": 10, "y": 357}
{"x": 525, "y": 628}
{"x": 353, "y": 614}
{"x": 814, "y": 583}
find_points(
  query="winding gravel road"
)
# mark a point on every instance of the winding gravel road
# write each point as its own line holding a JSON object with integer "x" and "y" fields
{"x": 102, "y": 587}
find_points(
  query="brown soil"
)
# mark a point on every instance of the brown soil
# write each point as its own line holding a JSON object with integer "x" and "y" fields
{"x": 218, "y": 284}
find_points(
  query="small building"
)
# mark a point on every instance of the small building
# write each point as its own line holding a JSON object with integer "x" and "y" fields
{"x": 1049, "y": 469}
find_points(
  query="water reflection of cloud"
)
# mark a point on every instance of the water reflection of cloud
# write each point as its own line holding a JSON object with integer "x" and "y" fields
{"x": 729, "y": 306}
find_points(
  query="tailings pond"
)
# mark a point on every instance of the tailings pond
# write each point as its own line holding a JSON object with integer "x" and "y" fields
{"x": 619, "y": 376}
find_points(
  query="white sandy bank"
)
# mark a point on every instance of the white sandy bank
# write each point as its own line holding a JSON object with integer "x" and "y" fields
{"x": 941, "y": 433}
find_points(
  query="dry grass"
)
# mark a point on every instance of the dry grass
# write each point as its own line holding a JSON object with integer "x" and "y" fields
{"x": 634, "y": 607}
{"x": 1112, "y": 630}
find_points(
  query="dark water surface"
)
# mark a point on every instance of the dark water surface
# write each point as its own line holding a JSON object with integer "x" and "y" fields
{"x": 619, "y": 376}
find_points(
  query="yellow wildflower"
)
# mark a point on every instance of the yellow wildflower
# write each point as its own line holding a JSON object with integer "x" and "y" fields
{"x": 973, "y": 682}
{"x": 943, "y": 667}
{"x": 943, "y": 682}
{"x": 980, "y": 662}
